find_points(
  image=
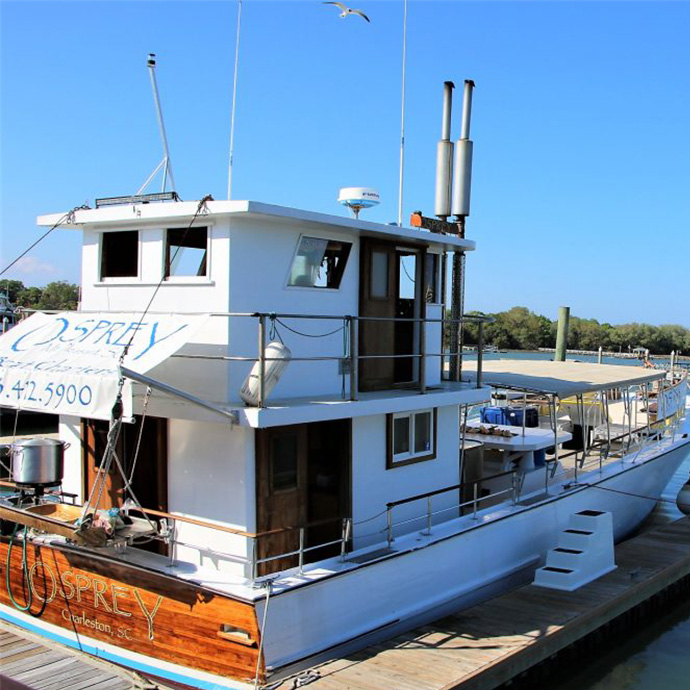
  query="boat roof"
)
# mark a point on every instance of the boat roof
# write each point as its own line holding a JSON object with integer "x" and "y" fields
{"x": 559, "y": 378}
{"x": 122, "y": 215}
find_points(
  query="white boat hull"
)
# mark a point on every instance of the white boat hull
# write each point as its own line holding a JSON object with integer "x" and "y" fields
{"x": 445, "y": 573}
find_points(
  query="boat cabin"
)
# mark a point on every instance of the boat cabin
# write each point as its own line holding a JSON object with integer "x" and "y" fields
{"x": 348, "y": 408}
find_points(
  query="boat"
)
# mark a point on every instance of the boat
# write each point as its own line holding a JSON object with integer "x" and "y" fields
{"x": 266, "y": 457}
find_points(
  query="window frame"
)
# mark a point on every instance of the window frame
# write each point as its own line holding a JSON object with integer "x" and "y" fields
{"x": 318, "y": 288}
{"x": 101, "y": 279}
{"x": 167, "y": 278}
{"x": 410, "y": 457}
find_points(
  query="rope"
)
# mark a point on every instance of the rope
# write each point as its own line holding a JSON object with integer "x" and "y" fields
{"x": 113, "y": 434}
{"x": 269, "y": 586}
{"x": 273, "y": 332}
{"x": 116, "y": 416}
{"x": 141, "y": 433}
{"x": 202, "y": 205}
{"x": 308, "y": 335}
{"x": 68, "y": 217}
{"x": 25, "y": 568}
{"x": 628, "y": 493}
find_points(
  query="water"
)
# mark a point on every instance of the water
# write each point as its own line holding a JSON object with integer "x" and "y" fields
{"x": 653, "y": 657}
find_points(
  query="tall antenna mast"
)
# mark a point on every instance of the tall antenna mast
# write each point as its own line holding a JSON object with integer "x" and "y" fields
{"x": 402, "y": 118}
{"x": 165, "y": 164}
{"x": 234, "y": 98}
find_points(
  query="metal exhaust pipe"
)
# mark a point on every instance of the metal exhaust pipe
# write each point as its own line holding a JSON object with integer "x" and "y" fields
{"x": 463, "y": 159}
{"x": 444, "y": 157}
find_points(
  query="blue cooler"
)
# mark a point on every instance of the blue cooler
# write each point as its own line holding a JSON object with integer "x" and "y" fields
{"x": 497, "y": 415}
{"x": 510, "y": 416}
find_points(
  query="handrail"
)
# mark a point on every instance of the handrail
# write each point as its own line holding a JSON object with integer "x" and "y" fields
{"x": 462, "y": 485}
{"x": 231, "y": 530}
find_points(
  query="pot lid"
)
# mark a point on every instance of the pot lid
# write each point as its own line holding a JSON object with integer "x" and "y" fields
{"x": 37, "y": 442}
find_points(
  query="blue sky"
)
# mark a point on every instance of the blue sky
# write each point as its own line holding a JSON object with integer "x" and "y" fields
{"x": 581, "y": 125}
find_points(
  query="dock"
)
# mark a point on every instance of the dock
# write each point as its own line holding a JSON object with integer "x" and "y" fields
{"x": 30, "y": 662}
{"x": 522, "y": 631}
{"x": 480, "y": 648}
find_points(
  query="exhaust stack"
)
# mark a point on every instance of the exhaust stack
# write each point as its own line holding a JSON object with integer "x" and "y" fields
{"x": 444, "y": 157}
{"x": 463, "y": 159}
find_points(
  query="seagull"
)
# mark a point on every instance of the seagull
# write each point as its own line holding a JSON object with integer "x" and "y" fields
{"x": 346, "y": 10}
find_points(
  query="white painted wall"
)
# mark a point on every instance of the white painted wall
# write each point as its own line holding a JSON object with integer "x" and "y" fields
{"x": 261, "y": 254}
{"x": 70, "y": 432}
{"x": 211, "y": 477}
{"x": 373, "y": 485}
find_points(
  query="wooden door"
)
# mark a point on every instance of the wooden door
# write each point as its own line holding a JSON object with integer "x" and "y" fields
{"x": 281, "y": 492}
{"x": 148, "y": 470}
{"x": 377, "y": 298}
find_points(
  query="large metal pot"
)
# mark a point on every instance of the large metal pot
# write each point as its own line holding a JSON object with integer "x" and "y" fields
{"x": 38, "y": 461}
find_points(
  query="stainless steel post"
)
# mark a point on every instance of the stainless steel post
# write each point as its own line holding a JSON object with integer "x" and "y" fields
{"x": 301, "y": 550}
{"x": 422, "y": 356}
{"x": 389, "y": 525}
{"x": 428, "y": 514}
{"x": 480, "y": 353}
{"x": 474, "y": 500}
{"x": 354, "y": 358}
{"x": 345, "y": 538}
{"x": 262, "y": 358}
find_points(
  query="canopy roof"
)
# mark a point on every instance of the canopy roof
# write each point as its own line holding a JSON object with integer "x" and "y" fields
{"x": 559, "y": 378}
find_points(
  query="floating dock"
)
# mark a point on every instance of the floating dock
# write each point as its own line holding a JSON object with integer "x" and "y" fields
{"x": 480, "y": 648}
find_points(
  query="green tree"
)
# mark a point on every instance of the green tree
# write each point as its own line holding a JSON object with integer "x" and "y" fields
{"x": 29, "y": 297}
{"x": 59, "y": 295}
{"x": 12, "y": 288}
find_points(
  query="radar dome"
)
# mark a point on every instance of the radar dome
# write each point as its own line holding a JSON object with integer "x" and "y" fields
{"x": 357, "y": 198}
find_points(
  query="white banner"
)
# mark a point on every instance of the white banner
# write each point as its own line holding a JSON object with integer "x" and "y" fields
{"x": 67, "y": 363}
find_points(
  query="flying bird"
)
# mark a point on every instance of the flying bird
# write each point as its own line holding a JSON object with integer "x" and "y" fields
{"x": 347, "y": 10}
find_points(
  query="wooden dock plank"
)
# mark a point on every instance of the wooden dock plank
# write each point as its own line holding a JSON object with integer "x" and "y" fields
{"x": 39, "y": 664}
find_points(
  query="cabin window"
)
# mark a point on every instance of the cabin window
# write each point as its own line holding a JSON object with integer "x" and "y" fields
{"x": 431, "y": 278}
{"x": 319, "y": 263}
{"x": 379, "y": 275}
{"x": 120, "y": 254}
{"x": 411, "y": 437}
{"x": 186, "y": 252}
{"x": 284, "y": 462}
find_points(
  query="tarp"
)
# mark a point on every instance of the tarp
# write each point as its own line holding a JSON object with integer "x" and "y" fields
{"x": 559, "y": 378}
{"x": 67, "y": 363}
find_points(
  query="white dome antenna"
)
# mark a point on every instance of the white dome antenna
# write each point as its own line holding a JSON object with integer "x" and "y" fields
{"x": 357, "y": 198}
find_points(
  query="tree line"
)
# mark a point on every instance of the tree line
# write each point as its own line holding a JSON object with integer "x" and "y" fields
{"x": 57, "y": 295}
{"x": 520, "y": 329}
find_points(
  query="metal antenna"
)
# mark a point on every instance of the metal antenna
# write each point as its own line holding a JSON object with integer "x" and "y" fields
{"x": 402, "y": 118}
{"x": 234, "y": 99}
{"x": 165, "y": 164}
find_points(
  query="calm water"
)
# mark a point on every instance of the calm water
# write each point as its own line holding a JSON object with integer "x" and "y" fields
{"x": 656, "y": 657}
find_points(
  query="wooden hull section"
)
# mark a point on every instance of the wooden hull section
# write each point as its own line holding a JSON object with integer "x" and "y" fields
{"x": 113, "y": 604}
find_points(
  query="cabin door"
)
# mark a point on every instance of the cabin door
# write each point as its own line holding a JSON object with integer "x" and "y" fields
{"x": 390, "y": 288}
{"x": 281, "y": 474}
{"x": 302, "y": 480}
{"x": 148, "y": 471}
